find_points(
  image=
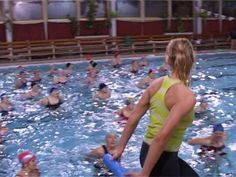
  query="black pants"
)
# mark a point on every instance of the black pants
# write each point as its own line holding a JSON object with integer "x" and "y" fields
{"x": 169, "y": 164}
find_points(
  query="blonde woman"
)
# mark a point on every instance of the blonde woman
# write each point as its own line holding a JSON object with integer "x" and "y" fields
{"x": 171, "y": 104}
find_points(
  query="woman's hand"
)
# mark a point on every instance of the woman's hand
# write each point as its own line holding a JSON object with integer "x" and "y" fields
{"x": 116, "y": 154}
{"x": 136, "y": 175}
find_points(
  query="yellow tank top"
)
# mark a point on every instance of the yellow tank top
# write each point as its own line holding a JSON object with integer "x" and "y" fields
{"x": 158, "y": 114}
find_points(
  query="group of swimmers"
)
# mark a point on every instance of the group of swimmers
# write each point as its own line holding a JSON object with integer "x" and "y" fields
{"x": 131, "y": 112}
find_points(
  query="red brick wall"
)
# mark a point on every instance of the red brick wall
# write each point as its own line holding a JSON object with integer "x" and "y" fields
{"x": 59, "y": 30}
{"x": 128, "y": 28}
{"x": 22, "y": 32}
{"x": 2, "y": 33}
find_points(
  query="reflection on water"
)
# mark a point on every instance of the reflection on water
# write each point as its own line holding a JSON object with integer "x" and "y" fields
{"x": 60, "y": 138}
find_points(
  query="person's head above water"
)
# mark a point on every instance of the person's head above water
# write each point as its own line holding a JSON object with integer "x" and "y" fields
{"x": 129, "y": 101}
{"x": 25, "y": 157}
{"x": 2, "y": 96}
{"x": 111, "y": 139}
{"x": 51, "y": 90}
{"x": 68, "y": 65}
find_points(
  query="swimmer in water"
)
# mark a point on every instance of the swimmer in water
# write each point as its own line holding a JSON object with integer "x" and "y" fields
{"x": 91, "y": 73}
{"x": 69, "y": 69}
{"x": 126, "y": 111}
{"x": 143, "y": 62}
{"x": 97, "y": 153}
{"x": 34, "y": 92}
{"x": 116, "y": 60}
{"x": 145, "y": 82}
{"x": 53, "y": 70}
{"x": 53, "y": 101}
{"x": 29, "y": 166}
{"x": 5, "y": 105}
{"x": 103, "y": 92}
{"x": 36, "y": 77}
{"x": 21, "y": 81}
{"x": 61, "y": 78}
{"x": 214, "y": 142}
{"x": 134, "y": 67}
{"x": 201, "y": 107}
{"x": 3, "y": 131}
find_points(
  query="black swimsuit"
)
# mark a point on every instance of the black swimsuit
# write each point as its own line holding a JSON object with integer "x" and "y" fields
{"x": 23, "y": 85}
{"x": 216, "y": 150}
{"x": 98, "y": 164}
{"x": 54, "y": 106}
{"x": 4, "y": 113}
{"x": 105, "y": 149}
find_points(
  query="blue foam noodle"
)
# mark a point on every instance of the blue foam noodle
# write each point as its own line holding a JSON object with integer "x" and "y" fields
{"x": 114, "y": 166}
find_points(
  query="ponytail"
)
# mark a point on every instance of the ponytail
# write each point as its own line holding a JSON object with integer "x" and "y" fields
{"x": 181, "y": 58}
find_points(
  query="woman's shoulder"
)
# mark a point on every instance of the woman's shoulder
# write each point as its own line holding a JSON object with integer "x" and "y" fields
{"x": 155, "y": 85}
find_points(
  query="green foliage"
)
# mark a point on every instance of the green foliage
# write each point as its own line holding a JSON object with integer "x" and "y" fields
{"x": 74, "y": 25}
{"x": 180, "y": 25}
{"x": 128, "y": 40}
{"x": 203, "y": 15}
{"x": 109, "y": 16}
{"x": 91, "y": 14}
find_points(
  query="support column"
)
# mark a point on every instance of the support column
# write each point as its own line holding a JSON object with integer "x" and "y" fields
{"x": 197, "y": 21}
{"x": 113, "y": 21}
{"x": 169, "y": 5}
{"x": 78, "y": 12}
{"x": 142, "y": 10}
{"x": 220, "y": 15}
{"x": 45, "y": 17}
{"x": 8, "y": 20}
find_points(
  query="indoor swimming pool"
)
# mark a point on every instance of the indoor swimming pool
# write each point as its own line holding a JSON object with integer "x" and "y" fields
{"x": 61, "y": 138}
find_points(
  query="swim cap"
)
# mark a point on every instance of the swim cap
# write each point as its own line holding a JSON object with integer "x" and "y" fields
{"x": 101, "y": 86}
{"x": 33, "y": 84}
{"x": 22, "y": 72}
{"x": 25, "y": 157}
{"x": 2, "y": 96}
{"x": 94, "y": 64}
{"x": 68, "y": 64}
{"x": 218, "y": 128}
{"x": 129, "y": 101}
{"x": 52, "y": 89}
{"x": 150, "y": 71}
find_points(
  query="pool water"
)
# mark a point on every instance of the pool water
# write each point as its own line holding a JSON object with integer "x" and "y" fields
{"x": 61, "y": 138}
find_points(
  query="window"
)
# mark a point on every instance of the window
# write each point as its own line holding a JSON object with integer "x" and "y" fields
{"x": 61, "y": 9}
{"x": 156, "y": 8}
{"x": 1, "y": 12}
{"x": 99, "y": 5}
{"x": 229, "y": 8}
{"x": 30, "y": 10}
{"x": 211, "y": 6}
{"x": 128, "y": 8}
{"x": 182, "y": 9}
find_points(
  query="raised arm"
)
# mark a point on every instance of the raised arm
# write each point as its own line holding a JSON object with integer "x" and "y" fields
{"x": 199, "y": 141}
{"x": 43, "y": 101}
{"x": 94, "y": 153}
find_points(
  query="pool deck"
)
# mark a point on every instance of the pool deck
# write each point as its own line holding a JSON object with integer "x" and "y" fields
{"x": 82, "y": 59}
